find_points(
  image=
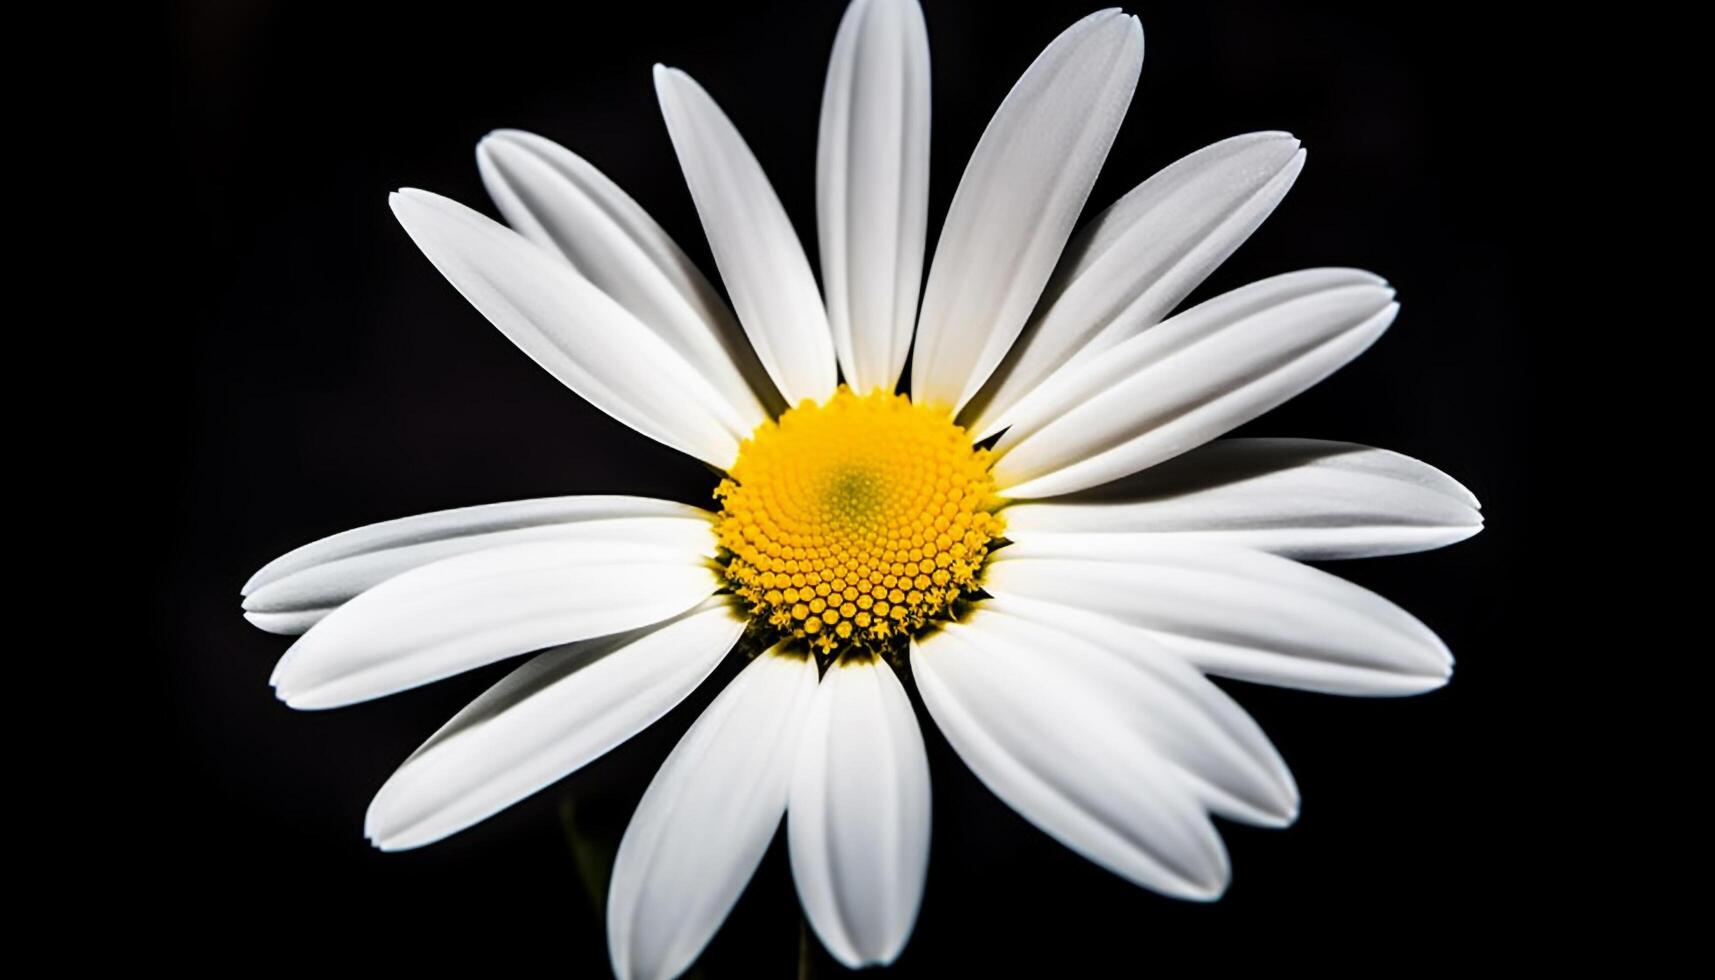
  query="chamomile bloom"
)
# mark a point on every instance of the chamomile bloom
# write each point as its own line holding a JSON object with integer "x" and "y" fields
{"x": 1040, "y": 526}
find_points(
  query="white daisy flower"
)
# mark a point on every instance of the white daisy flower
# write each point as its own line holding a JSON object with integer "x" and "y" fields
{"x": 1046, "y": 532}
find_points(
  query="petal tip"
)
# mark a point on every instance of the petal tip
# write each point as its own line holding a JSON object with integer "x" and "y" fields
{"x": 293, "y": 694}
{"x": 1377, "y": 323}
{"x": 386, "y": 846}
{"x": 486, "y": 157}
{"x": 1106, "y": 19}
{"x": 269, "y": 622}
{"x": 1431, "y": 676}
{"x": 304, "y": 701}
{"x": 409, "y": 199}
{"x": 1470, "y": 498}
{"x": 1467, "y": 532}
{"x": 1210, "y": 889}
{"x": 861, "y": 960}
{"x": 505, "y": 134}
{"x": 1134, "y": 33}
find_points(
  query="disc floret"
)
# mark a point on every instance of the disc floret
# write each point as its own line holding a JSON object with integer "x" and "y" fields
{"x": 858, "y": 521}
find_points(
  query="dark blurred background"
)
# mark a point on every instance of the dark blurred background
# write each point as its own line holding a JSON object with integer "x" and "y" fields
{"x": 332, "y": 378}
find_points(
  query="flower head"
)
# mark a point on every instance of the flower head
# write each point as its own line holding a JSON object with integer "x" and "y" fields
{"x": 1039, "y": 524}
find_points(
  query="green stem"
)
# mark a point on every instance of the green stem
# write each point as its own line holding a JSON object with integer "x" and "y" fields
{"x": 806, "y": 951}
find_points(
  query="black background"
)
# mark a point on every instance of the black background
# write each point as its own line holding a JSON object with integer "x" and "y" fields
{"x": 331, "y": 378}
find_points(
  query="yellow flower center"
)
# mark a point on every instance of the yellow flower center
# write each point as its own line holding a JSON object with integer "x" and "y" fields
{"x": 855, "y": 522}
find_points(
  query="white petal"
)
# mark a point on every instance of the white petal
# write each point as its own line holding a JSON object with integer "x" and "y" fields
{"x": 872, "y": 186}
{"x": 559, "y": 201}
{"x": 1132, "y": 264}
{"x": 1229, "y": 763}
{"x": 1189, "y": 379}
{"x": 1302, "y": 498}
{"x": 287, "y": 623}
{"x": 1018, "y": 201}
{"x": 858, "y": 817}
{"x": 292, "y": 592}
{"x": 546, "y": 719}
{"x": 758, "y": 253}
{"x": 706, "y": 819}
{"x": 462, "y": 612}
{"x": 582, "y": 337}
{"x": 1044, "y": 738}
{"x": 1238, "y": 613}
